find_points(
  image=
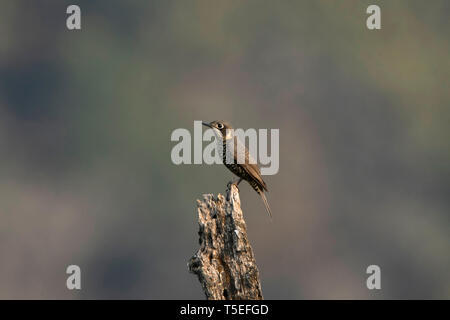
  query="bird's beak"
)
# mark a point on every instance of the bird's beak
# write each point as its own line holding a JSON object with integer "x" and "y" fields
{"x": 206, "y": 124}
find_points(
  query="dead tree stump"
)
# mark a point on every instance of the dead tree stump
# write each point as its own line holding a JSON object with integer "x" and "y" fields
{"x": 224, "y": 263}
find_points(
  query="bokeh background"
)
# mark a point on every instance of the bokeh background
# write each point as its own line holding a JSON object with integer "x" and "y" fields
{"x": 86, "y": 116}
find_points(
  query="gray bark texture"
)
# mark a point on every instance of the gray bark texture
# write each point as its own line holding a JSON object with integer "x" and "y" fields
{"x": 224, "y": 263}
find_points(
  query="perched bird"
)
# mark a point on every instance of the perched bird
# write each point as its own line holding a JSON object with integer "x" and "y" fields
{"x": 232, "y": 149}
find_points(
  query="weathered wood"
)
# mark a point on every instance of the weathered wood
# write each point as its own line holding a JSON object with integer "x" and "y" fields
{"x": 225, "y": 264}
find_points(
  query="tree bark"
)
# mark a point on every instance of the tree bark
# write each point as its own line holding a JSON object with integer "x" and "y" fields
{"x": 224, "y": 263}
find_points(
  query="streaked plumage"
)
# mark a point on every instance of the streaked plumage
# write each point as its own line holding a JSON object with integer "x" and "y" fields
{"x": 249, "y": 170}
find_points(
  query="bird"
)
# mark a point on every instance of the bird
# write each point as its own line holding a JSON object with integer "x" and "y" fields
{"x": 230, "y": 146}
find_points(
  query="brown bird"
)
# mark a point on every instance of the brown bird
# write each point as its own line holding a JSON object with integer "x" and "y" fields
{"x": 231, "y": 150}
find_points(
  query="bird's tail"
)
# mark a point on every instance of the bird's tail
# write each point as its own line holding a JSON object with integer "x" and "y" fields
{"x": 263, "y": 196}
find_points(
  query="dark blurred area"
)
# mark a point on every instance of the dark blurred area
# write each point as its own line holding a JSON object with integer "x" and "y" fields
{"x": 86, "y": 116}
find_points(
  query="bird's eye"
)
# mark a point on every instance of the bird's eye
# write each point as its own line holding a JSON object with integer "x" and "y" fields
{"x": 219, "y": 126}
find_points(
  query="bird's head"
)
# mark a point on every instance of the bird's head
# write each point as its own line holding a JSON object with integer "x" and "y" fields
{"x": 221, "y": 128}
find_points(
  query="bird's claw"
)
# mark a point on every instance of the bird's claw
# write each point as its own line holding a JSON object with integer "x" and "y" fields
{"x": 233, "y": 182}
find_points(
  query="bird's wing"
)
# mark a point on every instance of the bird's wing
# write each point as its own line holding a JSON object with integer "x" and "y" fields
{"x": 250, "y": 165}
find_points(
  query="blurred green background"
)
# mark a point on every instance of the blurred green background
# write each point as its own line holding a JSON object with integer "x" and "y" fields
{"x": 86, "y": 116}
